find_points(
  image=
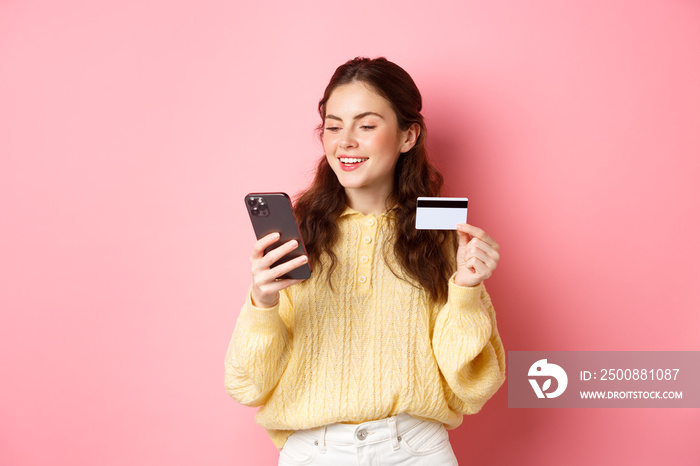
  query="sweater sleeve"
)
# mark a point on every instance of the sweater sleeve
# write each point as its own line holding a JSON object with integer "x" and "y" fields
{"x": 468, "y": 348}
{"x": 258, "y": 352}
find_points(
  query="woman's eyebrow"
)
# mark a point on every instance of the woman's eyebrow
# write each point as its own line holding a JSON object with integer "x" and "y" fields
{"x": 357, "y": 117}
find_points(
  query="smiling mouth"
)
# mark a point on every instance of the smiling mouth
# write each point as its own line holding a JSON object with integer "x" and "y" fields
{"x": 352, "y": 160}
{"x": 348, "y": 164}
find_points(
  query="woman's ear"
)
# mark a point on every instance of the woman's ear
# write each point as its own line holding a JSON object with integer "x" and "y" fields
{"x": 409, "y": 137}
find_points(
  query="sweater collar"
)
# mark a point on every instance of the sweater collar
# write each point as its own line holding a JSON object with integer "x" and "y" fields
{"x": 352, "y": 212}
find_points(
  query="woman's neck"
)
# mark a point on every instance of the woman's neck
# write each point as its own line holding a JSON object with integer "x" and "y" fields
{"x": 368, "y": 202}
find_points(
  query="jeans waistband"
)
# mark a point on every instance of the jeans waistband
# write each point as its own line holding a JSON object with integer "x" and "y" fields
{"x": 365, "y": 433}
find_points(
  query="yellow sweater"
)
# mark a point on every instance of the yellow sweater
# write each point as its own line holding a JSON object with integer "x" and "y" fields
{"x": 374, "y": 346}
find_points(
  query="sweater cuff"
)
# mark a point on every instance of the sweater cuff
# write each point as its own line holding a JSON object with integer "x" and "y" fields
{"x": 465, "y": 297}
{"x": 262, "y": 320}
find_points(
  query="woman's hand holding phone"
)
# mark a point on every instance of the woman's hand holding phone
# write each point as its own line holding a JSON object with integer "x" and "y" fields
{"x": 266, "y": 282}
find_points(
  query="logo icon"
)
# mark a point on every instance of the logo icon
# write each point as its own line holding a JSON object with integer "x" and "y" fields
{"x": 542, "y": 368}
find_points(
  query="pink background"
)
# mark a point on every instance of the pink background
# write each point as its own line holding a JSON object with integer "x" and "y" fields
{"x": 130, "y": 131}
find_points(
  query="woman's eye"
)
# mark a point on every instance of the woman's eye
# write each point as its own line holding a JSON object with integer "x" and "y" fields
{"x": 332, "y": 129}
{"x": 367, "y": 127}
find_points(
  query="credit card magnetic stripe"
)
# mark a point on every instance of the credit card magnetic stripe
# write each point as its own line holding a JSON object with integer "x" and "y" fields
{"x": 443, "y": 203}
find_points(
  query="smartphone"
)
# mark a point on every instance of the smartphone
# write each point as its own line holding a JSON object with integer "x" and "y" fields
{"x": 272, "y": 212}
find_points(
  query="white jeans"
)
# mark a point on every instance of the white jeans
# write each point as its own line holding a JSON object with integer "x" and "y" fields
{"x": 397, "y": 440}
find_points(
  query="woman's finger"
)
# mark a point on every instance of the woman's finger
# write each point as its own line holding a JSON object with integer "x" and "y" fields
{"x": 464, "y": 238}
{"x": 279, "y": 285}
{"x": 264, "y": 276}
{"x": 287, "y": 267}
{"x": 483, "y": 256}
{"x": 477, "y": 233}
{"x": 261, "y": 244}
{"x": 278, "y": 253}
{"x": 485, "y": 247}
{"x": 481, "y": 270}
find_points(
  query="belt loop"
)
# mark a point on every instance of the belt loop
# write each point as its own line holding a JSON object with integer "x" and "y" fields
{"x": 393, "y": 432}
{"x": 323, "y": 440}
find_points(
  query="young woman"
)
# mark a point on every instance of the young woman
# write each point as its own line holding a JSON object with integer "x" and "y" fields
{"x": 393, "y": 338}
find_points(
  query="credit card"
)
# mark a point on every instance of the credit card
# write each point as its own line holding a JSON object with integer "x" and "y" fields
{"x": 440, "y": 213}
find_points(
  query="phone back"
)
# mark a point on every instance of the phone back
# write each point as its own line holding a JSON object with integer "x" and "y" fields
{"x": 272, "y": 212}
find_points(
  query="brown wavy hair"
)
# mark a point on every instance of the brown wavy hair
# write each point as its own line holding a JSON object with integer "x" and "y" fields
{"x": 425, "y": 256}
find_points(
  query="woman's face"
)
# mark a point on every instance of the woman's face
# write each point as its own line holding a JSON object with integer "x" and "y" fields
{"x": 362, "y": 139}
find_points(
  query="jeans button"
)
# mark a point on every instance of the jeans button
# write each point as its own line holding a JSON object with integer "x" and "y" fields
{"x": 362, "y": 434}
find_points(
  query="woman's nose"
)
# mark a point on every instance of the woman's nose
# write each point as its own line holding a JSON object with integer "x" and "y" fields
{"x": 348, "y": 140}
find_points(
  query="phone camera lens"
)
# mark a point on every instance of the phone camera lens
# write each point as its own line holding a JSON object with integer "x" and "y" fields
{"x": 251, "y": 201}
{"x": 255, "y": 211}
{"x": 261, "y": 202}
